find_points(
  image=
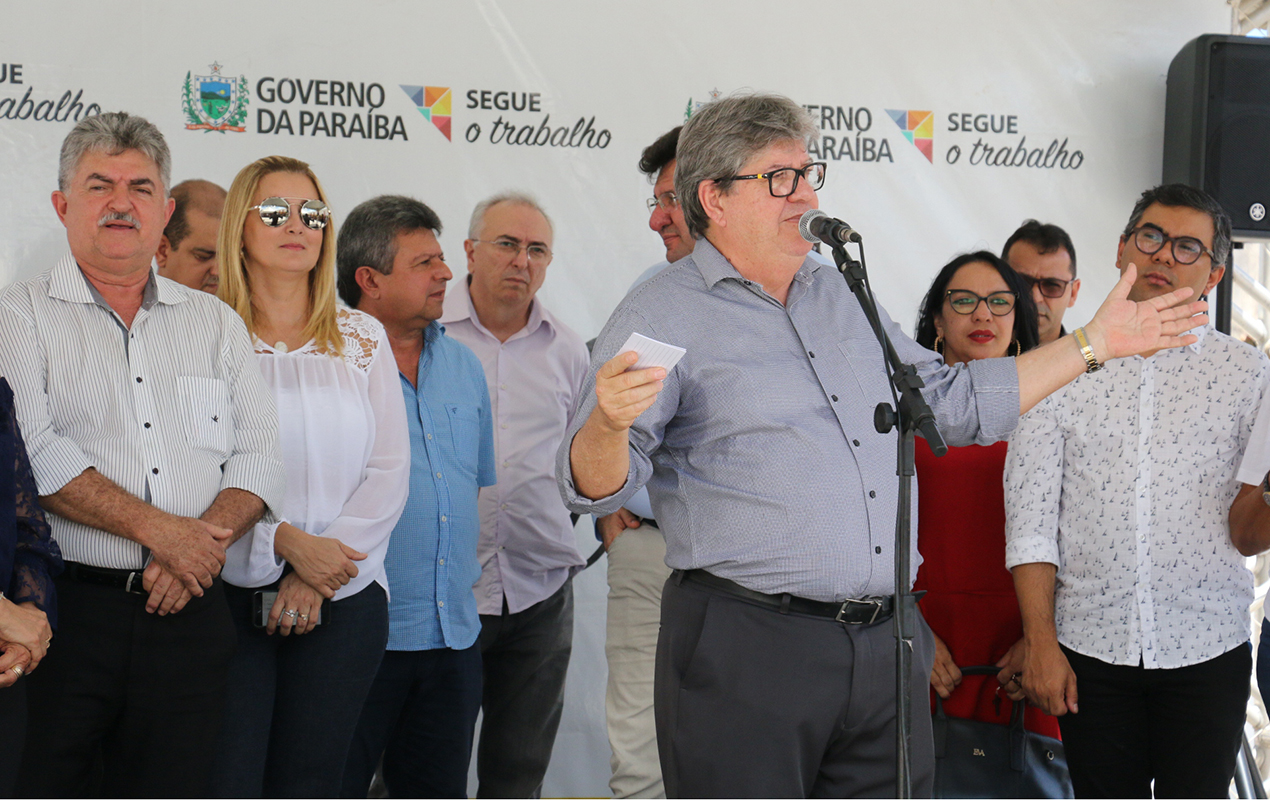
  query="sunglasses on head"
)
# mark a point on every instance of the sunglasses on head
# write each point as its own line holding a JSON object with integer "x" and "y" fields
{"x": 275, "y": 211}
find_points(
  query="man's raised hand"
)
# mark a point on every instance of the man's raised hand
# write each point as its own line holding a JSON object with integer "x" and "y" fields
{"x": 1122, "y": 327}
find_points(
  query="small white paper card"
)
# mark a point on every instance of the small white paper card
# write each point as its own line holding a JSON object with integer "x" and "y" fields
{"x": 652, "y": 353}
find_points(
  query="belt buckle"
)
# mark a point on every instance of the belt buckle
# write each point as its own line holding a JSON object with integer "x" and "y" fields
{"x": 134, "y": 576}
{"x": 877, "y": 609}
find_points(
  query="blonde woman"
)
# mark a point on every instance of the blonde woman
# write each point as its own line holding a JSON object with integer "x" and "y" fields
{"x": 304, "y": 666}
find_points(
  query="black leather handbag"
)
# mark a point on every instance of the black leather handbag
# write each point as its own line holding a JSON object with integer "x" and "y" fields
{"x": 984, "y": 759}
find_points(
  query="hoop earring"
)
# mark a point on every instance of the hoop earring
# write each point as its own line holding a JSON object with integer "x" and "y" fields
{"x": 939, "y": 344}
{"x": 1018, "y": 348}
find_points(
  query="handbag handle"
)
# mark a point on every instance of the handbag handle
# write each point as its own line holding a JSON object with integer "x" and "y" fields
{"x": 1017, "y": 732}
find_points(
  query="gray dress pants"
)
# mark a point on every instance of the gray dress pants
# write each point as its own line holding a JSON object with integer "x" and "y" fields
{"x": 526, "y": 657}
{"x": 751, "y": 702}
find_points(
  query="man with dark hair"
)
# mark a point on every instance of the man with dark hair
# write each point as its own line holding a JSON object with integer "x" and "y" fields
{"x": 776, "y": 665}
{"x": 421, "y": 711}
{"x": 1134, "y": 599}
{"x": 1045, "y": 255}
{"x": 187, "y": 251}
{"x": 154, "y": 445}
{"x": 637, "y": 551}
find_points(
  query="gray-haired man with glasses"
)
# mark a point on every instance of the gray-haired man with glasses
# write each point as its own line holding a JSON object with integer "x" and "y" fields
{"x": 776, "y": 496}
{"x": 1134, "y": 598}
{"x": 534, "y": 365}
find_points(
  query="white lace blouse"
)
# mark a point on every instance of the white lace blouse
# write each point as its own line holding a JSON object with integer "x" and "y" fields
{"x": 345, "y": 445}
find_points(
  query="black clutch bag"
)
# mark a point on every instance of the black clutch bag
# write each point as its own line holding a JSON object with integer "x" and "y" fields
{"x": 984, "y": 759}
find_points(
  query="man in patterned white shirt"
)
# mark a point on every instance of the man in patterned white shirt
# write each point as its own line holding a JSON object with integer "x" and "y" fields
{"x": 1134, "y": 600}
{"x": 154, "y": 445}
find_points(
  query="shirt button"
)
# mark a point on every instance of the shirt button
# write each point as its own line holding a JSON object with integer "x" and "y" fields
{"x": 155, "y": 470}
{"x": 855, "y": 442}
{"x": 440, "y": 604}
{"x": 503, "y": 426}
{"x": 877, "y": 549}
{"x": 502, "y": 386}
{"x": 441, "y": 561}
{"x": 835, "y": 397}
{"x": 438, "y": 474}
{"x": 872, "y": 493}
{"x": 147, "y": 424}
{"x": 443, "y": 520}
{"x": 138, "y": 379}
{"x": 429, "y": 436}
{"x": 813, "y": 355}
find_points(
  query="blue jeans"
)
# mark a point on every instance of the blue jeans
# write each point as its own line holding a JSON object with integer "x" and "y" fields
{"x": 420, "y": 716}
{"x": 293, "y": 702}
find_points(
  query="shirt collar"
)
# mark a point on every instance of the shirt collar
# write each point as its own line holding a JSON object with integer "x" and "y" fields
{"x": 714, "y": 267}
{"x": 458, "y": 306}
{"x": 68, "y": 282}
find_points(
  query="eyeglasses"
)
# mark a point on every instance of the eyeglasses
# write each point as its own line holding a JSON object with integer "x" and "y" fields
{"x": 1050, "y": 287}
{"x": 1186, "y": 249}
{"x": 665, "y": 201}
{"x": 275, "y": 211}
{"x": 784, "y": 182}
{"x": 965, "y": 302}
{"x": 510, "y": 249}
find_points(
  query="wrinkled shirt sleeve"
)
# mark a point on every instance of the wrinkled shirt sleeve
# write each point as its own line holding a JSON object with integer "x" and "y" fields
{"x": 645, "y": 434}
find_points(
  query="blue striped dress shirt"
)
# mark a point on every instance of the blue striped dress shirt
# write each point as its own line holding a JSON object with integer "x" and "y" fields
{"x": 760, "y": 453}
{"x": 431, "y": 560}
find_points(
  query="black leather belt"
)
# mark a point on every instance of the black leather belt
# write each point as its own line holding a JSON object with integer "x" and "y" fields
{"x": 850, "y": 612}
{"x": 128, "y": 580}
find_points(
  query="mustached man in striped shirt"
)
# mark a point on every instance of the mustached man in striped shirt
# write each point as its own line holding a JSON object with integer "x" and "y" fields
{"x": 154, "y": 445}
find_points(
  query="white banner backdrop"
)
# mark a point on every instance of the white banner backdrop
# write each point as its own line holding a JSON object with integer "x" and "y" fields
{"x": 1052, "y": 110}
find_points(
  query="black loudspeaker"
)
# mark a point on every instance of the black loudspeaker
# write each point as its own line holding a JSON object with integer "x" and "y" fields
{"x": 1217, "y": 126}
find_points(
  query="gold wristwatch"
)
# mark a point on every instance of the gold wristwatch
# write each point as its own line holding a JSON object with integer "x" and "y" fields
{"x": 1091, "y": 360}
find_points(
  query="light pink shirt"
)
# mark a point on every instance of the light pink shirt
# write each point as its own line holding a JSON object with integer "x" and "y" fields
{"x": 527, "y": 549}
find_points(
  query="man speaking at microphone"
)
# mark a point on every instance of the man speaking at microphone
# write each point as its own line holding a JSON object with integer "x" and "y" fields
{"x": 775, "y": 665}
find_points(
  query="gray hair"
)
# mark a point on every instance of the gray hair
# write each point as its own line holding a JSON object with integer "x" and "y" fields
{"x": 517, "y": 198}
{"x": 1178, "y": 195}
{"x": 368, "y": 238}
{"x": 718, "y": 140}
{"x": 112, "y": 133}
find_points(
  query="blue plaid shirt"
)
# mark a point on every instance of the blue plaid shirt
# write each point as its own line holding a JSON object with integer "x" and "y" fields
{"x": 431, "y": 560}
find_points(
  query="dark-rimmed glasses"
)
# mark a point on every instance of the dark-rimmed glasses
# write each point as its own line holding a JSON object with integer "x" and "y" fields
{"x": 510, "y": 249}
{"x": 784, "y": 182}
{"x": 964, "y": 301}
{"x": 275, "y": 211}
{"x": 665, "y": 201}
{"x": 1186, "y": 249}
{"x": 1050, "y": 287}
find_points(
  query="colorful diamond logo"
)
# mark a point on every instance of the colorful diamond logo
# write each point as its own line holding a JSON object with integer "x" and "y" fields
{"x": 918, "y": 127}
{"x": 433, "y": 103}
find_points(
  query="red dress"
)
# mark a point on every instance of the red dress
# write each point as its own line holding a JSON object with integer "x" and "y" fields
{"x": 970, "y": 601}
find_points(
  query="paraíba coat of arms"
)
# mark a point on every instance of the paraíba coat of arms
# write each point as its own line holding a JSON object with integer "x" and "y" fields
{"x": 215, "y": 102}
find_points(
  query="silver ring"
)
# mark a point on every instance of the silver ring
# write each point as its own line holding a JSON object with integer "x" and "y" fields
{"x": 18, "y": 669}
{"x": 292, "y": 613}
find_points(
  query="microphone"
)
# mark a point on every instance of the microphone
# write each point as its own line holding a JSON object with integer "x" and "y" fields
{"x": 817, "y": 226}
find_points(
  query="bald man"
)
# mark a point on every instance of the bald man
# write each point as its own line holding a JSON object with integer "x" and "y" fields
{"x": 187, "y": 251}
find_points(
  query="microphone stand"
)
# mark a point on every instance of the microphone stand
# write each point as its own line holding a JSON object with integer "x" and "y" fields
{"x": 912, "y": 414}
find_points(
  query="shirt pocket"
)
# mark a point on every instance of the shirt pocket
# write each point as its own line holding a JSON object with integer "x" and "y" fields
{"x": 205, "y": 414}
{"x": 465, "y": 435}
